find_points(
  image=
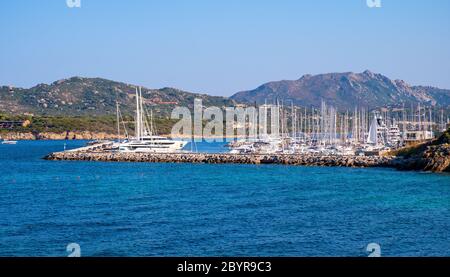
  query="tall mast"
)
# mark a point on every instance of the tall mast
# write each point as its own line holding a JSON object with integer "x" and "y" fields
{"x": 313, "y": 122}
{"x": 294, "y": 120}
{"x": 138, "y": 117}
{"x": 431, "y": 119}
{"x": 301, "y": 121}
{"x": 334, "y": 115}
{"x": 405, "y": 122}
{"x": 420, "y": 117}
{"x": 141, "y": 110}
{"x": 357, "y": 125}
{"x": 118, "y": 120}
{"x": 152, "y": 128}
{"x": 306, "y": 131}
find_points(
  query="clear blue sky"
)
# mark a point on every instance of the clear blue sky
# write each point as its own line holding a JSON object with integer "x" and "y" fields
{"x": 222, "y": 46}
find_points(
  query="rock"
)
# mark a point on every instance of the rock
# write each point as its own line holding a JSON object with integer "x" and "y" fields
{"x": 302, "y": 160}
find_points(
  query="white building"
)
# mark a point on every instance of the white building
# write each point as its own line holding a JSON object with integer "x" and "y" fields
{"x": 418, "y": 135}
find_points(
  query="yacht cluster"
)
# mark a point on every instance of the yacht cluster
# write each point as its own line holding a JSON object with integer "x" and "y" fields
{"x": 297, "y": 130}
{"x": 326, "y": 131}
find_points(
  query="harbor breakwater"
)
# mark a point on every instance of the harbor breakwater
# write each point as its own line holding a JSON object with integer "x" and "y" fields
{"x": 226, "y": 158}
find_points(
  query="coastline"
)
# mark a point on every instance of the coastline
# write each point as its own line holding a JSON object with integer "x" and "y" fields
{"x": 82, "y": 135}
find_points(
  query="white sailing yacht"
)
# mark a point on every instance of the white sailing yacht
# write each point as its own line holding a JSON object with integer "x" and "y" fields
{"x": 145, "y": 141}
{"x": 378, "y": 131}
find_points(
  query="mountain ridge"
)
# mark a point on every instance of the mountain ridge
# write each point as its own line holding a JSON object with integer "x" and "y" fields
{"x": 82, "y": 96}
{"x": 346, "y": 90}
{"x": 96, "y": 96}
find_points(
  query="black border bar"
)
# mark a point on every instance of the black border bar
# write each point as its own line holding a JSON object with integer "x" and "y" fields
{"x": 255, "y": 265}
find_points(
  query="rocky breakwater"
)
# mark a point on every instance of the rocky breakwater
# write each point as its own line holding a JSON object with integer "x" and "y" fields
{"x": 431, "y": 156}
{"x": 225, "y": 158}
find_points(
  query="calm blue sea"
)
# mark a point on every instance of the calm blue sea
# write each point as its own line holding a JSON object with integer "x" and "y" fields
{"x": 139, "y": 209}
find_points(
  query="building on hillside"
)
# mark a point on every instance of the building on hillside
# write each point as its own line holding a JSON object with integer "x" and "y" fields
{"x": 412, "y": 136}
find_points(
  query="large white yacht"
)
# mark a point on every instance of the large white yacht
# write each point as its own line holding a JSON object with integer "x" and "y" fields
{"x": 145, "y": 141}
{"x": 152, "y": 144}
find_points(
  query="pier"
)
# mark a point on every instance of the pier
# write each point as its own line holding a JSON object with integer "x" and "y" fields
{"x": 224, "y": 158}
{"x": 93, "y": 147}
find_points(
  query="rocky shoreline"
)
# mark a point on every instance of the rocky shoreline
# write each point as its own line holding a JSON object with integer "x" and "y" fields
{"x": 84, "y": 135}
{"x": 434, "y": 159}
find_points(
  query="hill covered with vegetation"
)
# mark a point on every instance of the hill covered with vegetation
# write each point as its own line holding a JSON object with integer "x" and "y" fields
{"x": 44, "y": 127}
{"x": 79, "y": 96}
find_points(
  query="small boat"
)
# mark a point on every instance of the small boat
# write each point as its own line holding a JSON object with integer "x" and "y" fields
{"x": 10, "y": 142}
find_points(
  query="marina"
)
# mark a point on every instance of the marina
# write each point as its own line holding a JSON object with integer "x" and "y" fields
{"x": 326, "y": 131}
{"x": 359, "y": 140}
{"x": 295, "y": 130}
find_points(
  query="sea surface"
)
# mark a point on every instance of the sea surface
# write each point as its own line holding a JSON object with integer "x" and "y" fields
{"x": 143, "y": 209}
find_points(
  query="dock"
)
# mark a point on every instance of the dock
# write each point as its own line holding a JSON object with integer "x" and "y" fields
{"x": 92, "y": 148}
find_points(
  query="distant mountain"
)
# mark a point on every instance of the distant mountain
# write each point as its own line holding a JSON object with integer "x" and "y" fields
{"x": 78, "y": 96}
{"x": 95, "y": 96}
{"x": 346, "y": 90}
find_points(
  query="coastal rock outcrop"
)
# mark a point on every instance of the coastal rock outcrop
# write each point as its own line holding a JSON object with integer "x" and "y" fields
{"x": 432, "y": 156}
{"x": 434, "y": 159}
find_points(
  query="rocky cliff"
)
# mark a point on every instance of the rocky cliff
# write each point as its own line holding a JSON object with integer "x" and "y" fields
{"x": 432, "y": 156}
